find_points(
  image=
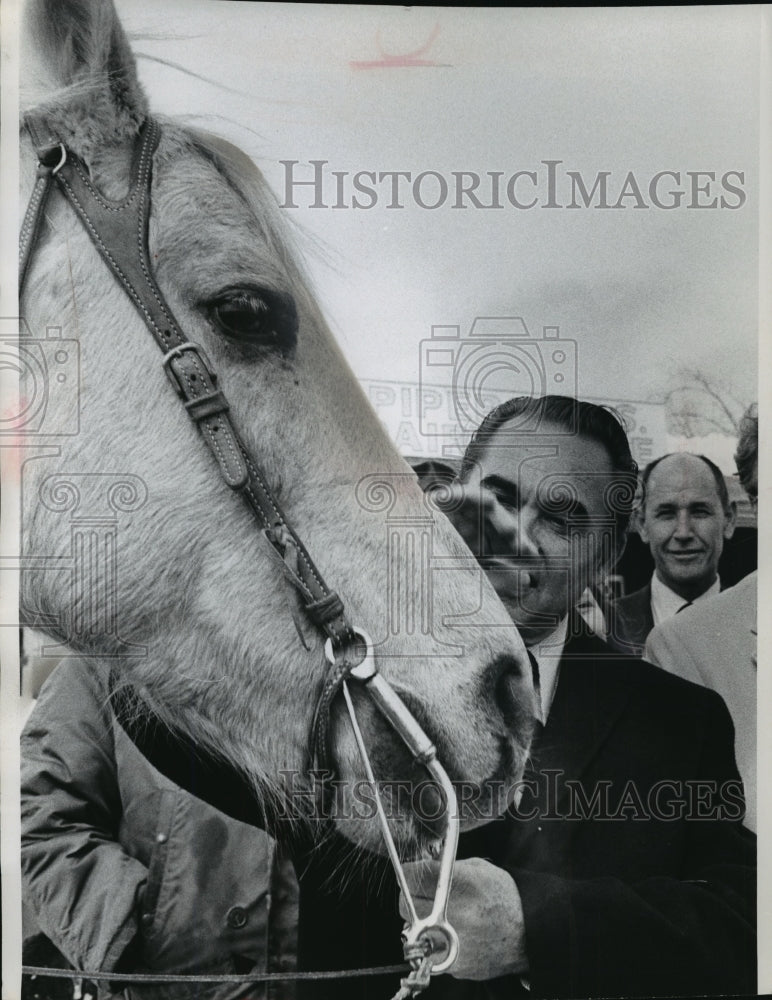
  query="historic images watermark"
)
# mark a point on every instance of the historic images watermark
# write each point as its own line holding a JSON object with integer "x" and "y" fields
{"x": 93, "y": 506}
{"x": 540, "y": 796}
{"x": 496, "y": 351}
{"x": 549, "y": 184}
{"x": 49, "y": 374}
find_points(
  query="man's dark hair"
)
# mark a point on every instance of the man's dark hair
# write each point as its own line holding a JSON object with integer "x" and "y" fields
{"x": 747, "y": 455}
{"x": 598, "y": 423}
{"x": 718, "y": 476}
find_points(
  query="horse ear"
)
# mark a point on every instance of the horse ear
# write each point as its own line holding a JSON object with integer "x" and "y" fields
{"x": 85, "y": 77}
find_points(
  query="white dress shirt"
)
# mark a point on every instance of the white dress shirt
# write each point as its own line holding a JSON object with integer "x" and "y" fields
{"x": 547, "y": 654}
{"x": 665, "y": 602}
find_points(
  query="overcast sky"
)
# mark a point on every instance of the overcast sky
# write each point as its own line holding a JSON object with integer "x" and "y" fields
{"x": 641, "y": 291}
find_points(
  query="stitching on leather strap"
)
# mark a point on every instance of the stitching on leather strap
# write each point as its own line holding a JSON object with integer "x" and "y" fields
{"x": 119, "y": 231}
{"x": 319, "y": 749}
{"x": 126, "y": 284}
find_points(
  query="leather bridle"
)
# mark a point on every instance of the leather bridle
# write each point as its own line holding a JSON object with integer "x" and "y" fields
{"x": 119, "y": 230}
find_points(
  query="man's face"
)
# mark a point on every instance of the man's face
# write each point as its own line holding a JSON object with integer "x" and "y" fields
{"x": 685, "y": 524}
{"x": 545, "y": 528}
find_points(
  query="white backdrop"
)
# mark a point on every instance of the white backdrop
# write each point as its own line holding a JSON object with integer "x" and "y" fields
{"x": 638, "y": 291}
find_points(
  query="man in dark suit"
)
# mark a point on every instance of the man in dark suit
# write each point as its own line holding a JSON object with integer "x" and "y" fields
{"x": 685, "y": 517}
{"x": 621, "y": 866}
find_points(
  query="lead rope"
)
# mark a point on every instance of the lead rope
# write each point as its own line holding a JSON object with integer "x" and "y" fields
{"x": 51, "y": 159}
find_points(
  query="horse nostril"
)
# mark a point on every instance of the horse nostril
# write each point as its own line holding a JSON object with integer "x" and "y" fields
{"x": 507, "y": 683}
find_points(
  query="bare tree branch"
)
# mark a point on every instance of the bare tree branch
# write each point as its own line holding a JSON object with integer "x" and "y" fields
{"x": 699, "y": 405}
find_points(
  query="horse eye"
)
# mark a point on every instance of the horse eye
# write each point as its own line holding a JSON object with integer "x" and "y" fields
{"x": 264, "y": 319}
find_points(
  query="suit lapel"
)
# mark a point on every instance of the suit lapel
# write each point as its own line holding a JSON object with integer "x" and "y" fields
{"x": 630, "y": 620}
{"x": 642, "y": 620}
{"x": 591, "y": 694}
{"x": 592, "y": 691}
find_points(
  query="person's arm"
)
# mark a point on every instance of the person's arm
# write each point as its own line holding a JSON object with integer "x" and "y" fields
{"x": 607, "y": 937}
{"x": 84, "y": 889}
{"x": 691, "y": 935}
{"x": 655, "y": 938}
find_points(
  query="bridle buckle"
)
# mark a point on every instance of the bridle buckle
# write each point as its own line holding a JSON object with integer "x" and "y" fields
{"x": 177, "y": 352}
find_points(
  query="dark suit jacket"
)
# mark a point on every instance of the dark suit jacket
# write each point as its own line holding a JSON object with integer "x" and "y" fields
{"x": 648, "y": 889}
{"x": 630, "y": 621}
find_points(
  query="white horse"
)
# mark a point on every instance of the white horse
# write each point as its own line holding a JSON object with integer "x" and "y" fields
{"x": 136, "y": 551}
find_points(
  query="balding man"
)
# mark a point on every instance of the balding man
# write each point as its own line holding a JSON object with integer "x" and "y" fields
{"x": 686, "y": 517}
{"x": 714, "y": 643}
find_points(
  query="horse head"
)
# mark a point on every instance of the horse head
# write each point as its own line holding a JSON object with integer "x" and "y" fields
{"x": 138, "y": 554}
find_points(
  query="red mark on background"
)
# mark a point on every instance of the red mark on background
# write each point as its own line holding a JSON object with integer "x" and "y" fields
{"x": 389, "y": 60}
{"x": 13, "y": 441}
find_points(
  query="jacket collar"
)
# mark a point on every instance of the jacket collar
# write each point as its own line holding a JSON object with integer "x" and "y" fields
{"x": 635, "y": 616}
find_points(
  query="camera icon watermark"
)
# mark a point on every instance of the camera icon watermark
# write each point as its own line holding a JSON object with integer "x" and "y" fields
{"x": 498, "y": 359}
{"x": 93, "y": 509}
{"x": 49, "y": 381}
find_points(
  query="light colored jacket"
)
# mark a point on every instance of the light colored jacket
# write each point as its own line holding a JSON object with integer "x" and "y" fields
{"x": 713, "y": 644}
{"x": 115, "y": 856}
